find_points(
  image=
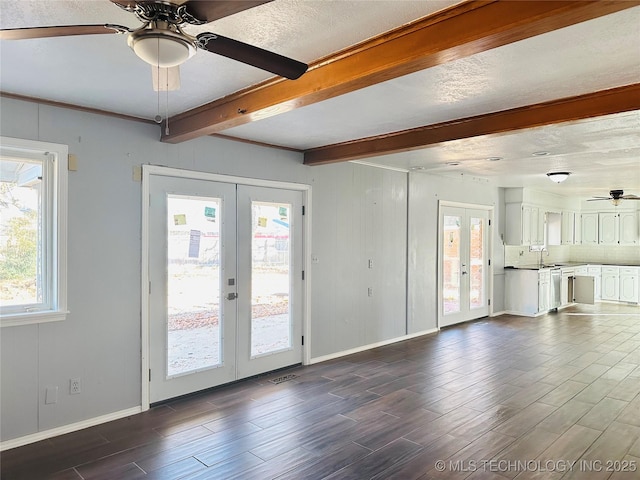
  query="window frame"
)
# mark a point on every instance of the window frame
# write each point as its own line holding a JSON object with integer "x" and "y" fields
{"x": 54, "y": 220}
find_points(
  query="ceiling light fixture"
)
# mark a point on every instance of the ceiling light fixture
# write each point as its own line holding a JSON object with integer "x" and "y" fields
{"x": 558, "y": 177}
{"x": 453, "y": 164}
{"x": 616, "y": 201}
{"x": 161, "y": 47}
{"x": 540, "y": 154}
{"x": 494, "y": 159}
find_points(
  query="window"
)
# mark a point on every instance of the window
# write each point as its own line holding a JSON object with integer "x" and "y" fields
{"x": 33, "y": 231}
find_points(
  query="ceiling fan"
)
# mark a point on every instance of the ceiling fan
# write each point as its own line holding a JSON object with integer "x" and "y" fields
{"x": 162, "y": 43}
{"x": 616, "y": 197}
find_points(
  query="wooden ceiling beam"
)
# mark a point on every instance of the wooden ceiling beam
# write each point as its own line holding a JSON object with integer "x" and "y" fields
{"x": 606, "y": 102}
{"x": 460, "y": 31}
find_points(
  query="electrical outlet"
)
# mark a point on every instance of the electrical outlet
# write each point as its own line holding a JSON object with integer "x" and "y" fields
{"x": 74, "y": 386}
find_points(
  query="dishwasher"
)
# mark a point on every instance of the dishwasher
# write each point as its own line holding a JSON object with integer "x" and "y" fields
{"x": 556, "y": 282}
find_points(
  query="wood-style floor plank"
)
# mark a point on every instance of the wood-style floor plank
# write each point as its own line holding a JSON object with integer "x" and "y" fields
{"x": 512, "y": 389}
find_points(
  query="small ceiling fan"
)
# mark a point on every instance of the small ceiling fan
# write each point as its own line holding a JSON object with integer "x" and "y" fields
{"x": 616, "y": 197}
{"x": 162, "y": 43}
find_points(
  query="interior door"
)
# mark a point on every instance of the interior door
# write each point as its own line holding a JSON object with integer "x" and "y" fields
{"x": 225, "y": 266}
{"x": 464, "y": 265}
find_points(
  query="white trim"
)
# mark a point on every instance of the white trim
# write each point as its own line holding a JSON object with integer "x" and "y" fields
{"x": 497, "y": 314}
{"x": 144, "y": 292}
{"x": 56, "y": 230}
{"x": 73, "y": 427}
{"x": 474, "y": 206}
{"x": 363, "y": 348}
{"x": 14, "y": 320}
{"x": 147, "y": 171}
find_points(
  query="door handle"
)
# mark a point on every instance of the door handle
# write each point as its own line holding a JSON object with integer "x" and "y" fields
{"x": 232, "y": 296}
{"x": 464, "y": 273}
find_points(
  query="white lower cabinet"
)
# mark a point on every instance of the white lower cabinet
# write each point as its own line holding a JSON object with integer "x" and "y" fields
{"x": 610, "y": 283}
{"x": 628, "y": 284}
{"x": 596, "y": 273}
{"x": 529, "y": 291}
{"x": 544, "y": 290}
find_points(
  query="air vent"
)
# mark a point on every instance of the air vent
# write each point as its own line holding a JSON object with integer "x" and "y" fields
{"x": 283, "y": 378}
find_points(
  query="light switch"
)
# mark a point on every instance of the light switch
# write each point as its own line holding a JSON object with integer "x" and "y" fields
{"x": 137, "y": 174}
{"x": 72, "y": 163}
{"x": 51, "y": 395}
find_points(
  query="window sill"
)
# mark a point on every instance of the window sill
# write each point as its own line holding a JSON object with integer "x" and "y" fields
{"x": 30, "y": 318}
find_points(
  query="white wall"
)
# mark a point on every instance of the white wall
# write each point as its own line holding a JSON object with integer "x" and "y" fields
{"x": 358, "y": 213}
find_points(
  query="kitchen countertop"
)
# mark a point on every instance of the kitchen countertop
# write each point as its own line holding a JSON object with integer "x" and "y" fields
{"x": 563, "y": 265}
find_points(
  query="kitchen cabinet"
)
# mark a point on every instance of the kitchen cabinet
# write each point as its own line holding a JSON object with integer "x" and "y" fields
{"x": 566, "y": 290}
{"x": 595, "y": 272}
{"x": 628, "y": 284}
{"x": 608, "y": 228}
{"x": 544, "y": 290}
{"x": 568, "y": 228}
{"x": 589, "y": 223}
{"x": 527, "y": 291}
{"x": 524, "y": 224}
{"x": 610, "y": 283}
{"x": 617, "y": 228}
{"x": 628, "y": 227}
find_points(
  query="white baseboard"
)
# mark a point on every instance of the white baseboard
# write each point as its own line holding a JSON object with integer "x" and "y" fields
{"x": 73, "y": 427}
{"x": 351, "y": 351}
{"x": 497, "y": 314}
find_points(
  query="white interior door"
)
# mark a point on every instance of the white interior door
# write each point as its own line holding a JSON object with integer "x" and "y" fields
{"x": 225, "y": 294}
{"x": 464, "y": 265}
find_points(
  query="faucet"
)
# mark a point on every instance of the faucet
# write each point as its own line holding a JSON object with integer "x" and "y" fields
{"x": 543, "y": 249}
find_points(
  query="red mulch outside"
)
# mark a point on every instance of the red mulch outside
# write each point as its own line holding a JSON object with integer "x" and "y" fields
{"x": 204, "y": 318}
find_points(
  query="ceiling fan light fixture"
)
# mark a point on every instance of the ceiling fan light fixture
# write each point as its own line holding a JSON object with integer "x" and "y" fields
{"x": 161, "y": 48}
{"x": 558, "y": 177}
{"x": 616, "y": 201}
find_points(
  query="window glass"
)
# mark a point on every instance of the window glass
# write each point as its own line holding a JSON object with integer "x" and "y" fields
{"x": 32, "y": 231}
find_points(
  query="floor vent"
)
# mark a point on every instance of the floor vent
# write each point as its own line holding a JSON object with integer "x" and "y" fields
{"x": 283, "y": 378}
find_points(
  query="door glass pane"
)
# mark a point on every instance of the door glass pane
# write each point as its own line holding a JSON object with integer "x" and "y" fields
{"x": 270, "y": 278}
{"x": 451, "y": 265}
{"x": 193, "y": 284}
{"x": 476, "y": 261}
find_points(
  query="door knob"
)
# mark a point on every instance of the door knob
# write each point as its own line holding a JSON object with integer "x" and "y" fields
{"x": 232, "y": 296}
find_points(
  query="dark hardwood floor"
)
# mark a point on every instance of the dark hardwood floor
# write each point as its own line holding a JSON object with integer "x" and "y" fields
{"x": 509, "y": 397}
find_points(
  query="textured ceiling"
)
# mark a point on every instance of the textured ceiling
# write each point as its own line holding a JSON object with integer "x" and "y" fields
{"x": 102, "y": 72}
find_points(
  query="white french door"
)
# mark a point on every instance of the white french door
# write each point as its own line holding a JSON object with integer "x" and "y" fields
{"x": 225, "y": 293}
{"x": 464, "y": 264}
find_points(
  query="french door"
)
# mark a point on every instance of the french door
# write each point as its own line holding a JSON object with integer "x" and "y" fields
{"x": 225, "y": 293}
{"x": 464, "y": 264}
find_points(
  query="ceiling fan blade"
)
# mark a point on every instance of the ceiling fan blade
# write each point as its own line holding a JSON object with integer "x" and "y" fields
{"x": 630, "y": 197}
{"x": 596, "y": 199}
{"x": 59, "y": 31}
{"x": 165, "y": 79}
{"x": 254, "y": 56}
{"x": 209, "y": 11}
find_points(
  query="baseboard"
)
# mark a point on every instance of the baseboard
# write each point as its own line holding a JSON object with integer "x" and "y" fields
{"x": 351, "y": 351}
{"x": 497, "y": 314}
{"x": 73, "y": 427}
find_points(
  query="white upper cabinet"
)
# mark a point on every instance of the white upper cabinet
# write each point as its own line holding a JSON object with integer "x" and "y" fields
{"x": 608, "y": 228}
{"x": 589, "y": 228}
{"x": 618, "y": 228}
{"x": 568, "y": 228}
{"x": 524, "y": 225}
{"x": 628, "y": 225}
